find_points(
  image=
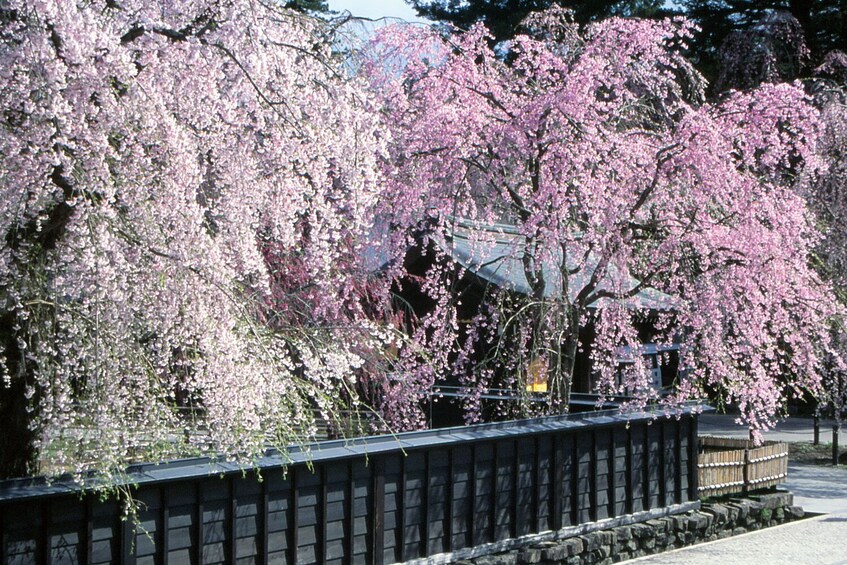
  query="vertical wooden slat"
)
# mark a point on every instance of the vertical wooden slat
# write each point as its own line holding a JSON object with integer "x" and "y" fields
{"x": 378, "y": 512}
{"x": 401, "y": 508}
{"x": 230, "y": 544}
{"x": 663, "y": 482}
{"x": 321, "y": 543}
{"x": 594, "y": 506}
{"x": 164, "y": 519}
{"x": 3, "y": 558}
{"x": 350, "y": 514}
{"x": 516, "y": 510}
{"x": 198, "y": 524}
{"x": 557, "y": 479}
{"x": 427, "y": 514}
{"x": 646, "y": 468}
{"x": 127, "y": 550}
{"x": 693, "y": 479}
{"x": 264, "y": 500}
{"x": 574, "y": 480}
{"x": 43, "y": 544}
{"x": 448, "y": 489}
{"x": 294, "y": 514}
{"x": 536, "y": 495}
{"x": 613, "y": 468}
{"x": 678, "y": 467}
{"x": 629, "y": 497}
{"x": 86, "y": 543}
{"x": 493, "y": 495}
{"x": 472, "y": 477}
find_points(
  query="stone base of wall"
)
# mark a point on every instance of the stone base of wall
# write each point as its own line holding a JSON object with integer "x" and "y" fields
{"x": 714, "y": 520}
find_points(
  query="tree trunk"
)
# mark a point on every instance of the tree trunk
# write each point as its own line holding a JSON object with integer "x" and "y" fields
{"x": 842, "y": 37}
{"x": 802, "y": 10}
{"x": 564, "y": 348}
{"x": 18, "y": 456}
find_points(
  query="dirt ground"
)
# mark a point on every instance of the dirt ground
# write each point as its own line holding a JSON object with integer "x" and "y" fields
{"x": 821, "y": 454}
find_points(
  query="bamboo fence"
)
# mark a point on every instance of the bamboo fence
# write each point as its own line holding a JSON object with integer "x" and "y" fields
{"x": 731, "y": 466}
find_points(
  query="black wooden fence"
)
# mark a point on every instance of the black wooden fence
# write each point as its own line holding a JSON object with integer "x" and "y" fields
{"x": 375, "y": 500}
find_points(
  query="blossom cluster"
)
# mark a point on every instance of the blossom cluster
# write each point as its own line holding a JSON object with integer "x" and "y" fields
{"x": 184, "y": 191}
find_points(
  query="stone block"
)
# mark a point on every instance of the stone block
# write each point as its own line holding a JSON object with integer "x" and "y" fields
{"x": 774, "y": 500}
{"x": 732, "y": 512}
{"x": 679, "y": 523}
{"x": 743, "y": 507}
{"x": 591, "y": 541}
{"x": 698, "y": 521}
{"x": 658, "y": 525}
{"x": 559, "y": 552}
{"x": 738, "y": 531}
{"x": 719, "y": 511}
{"x": 643, "y": 531}
{"x": 530, "y": 555}
{"x": 509, "y": 558}
{"x": 796, "y": 512}
{"x": 575, "y": 546}
{"x": 623, "y": 533}
{"x": 608, "y": 537}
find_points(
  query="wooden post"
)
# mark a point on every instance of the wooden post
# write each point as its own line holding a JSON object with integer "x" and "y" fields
{"x": 198, "y": 523}
{"x": 378, "y": 539}
{"x": 557, "y": 483}
{"x": 835, "y": 429}
{"x": 295, "y": 515}
{"x": 693, "y": 455}
{"x": 817, "y": 429}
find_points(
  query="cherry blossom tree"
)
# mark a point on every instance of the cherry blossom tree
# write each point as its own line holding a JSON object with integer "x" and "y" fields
{"x": 598, "y": 149}
{"x": 827, "y": 196}
{"x": 774, "y": 50}
{"x": 185, "y": 193}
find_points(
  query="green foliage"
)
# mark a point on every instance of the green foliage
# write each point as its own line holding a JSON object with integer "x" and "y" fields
{"x": 502, "y": 17}
{"x": 824, "y": 22}
{"x": 308, "y": 6}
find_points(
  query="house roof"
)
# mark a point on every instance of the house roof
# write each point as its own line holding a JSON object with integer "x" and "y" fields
{"x": 494, "y": 252}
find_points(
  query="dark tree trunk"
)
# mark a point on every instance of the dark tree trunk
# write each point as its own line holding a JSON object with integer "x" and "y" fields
{"x": 564, "y": 346}
{"x": 842, "y": 37}
{"x": 802, "y": 10}
{"x": 18, "y": 456}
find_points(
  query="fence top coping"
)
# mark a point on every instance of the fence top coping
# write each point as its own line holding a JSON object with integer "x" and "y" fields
{"x": 325, "y": 451}
{"x": 740, "y": 443}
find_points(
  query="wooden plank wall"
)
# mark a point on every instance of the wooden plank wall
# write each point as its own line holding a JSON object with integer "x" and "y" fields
{"x": 380, "y": 508}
